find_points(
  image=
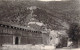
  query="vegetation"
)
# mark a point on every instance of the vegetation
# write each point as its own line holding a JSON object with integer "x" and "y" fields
{"x": 74, "y": 33}
{"x": 51, "y": 13}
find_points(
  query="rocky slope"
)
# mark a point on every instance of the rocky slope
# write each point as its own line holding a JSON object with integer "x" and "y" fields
{"x": 56, "y": 15}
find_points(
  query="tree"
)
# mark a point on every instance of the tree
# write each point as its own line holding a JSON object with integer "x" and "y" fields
{"x": 74, "y": 33}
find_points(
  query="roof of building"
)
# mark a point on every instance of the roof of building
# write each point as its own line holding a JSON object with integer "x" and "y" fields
{"x": 5, "y": 24}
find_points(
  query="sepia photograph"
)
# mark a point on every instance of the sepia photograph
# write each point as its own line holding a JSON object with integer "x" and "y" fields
{"x": 39, "y": 24}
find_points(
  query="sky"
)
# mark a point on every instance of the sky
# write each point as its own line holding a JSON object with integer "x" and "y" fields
{"x": 49, "y": 0}
{"x": 34, "y": 0}
{"x": 52, "y": 0}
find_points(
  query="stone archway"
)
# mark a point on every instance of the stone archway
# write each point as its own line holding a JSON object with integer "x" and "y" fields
{"x": 16, "y": 40}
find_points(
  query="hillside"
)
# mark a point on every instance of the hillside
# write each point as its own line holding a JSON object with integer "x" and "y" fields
{"x": 56, "y": 15}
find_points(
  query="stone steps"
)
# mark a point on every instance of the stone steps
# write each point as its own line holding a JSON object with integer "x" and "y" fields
{"x": 28, "y": 47}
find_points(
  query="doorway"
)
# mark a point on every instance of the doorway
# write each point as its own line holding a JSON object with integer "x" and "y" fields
{"x": 16, "y": 40}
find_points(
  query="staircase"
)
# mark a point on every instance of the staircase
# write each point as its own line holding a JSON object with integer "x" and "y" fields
{"x": 27, "y": 47}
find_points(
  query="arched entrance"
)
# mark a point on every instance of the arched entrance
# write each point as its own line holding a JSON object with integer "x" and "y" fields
{"x": 16, "y": 40}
